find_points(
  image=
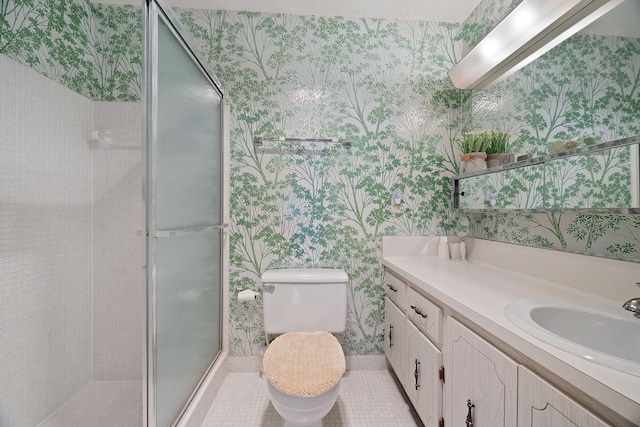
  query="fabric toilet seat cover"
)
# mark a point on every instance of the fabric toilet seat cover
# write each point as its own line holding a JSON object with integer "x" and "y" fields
{"x": 304, "y": 364}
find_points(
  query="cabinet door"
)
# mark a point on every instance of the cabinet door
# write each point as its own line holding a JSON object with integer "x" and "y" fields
{"x": 480, "y": 375}
{"x": 395, "y": 347}
{"x": 423, "y": 383}
{"x": 542, "y": 405}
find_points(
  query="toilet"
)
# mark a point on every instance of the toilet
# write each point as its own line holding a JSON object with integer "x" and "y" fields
{"x": 304, "y": 365}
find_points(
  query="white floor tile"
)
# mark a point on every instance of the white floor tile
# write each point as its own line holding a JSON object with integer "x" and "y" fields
{"x": 366, "y": 399}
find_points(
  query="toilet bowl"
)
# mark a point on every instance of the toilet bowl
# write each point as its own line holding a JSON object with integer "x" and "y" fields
{"x": 303, "y": 372}
{"x": 304, "y": 365}
{"x": 299, "y": 412}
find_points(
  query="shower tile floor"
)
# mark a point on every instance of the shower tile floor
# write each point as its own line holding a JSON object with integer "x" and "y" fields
{"x": 366, "y": 399}
{"x": 101, "y": 404}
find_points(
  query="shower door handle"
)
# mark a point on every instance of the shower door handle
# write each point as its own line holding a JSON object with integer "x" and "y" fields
{"x": 185, "y": 231}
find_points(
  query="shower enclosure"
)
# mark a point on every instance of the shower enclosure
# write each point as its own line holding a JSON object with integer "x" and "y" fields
{"x": 183, "y": 108}
{"x": 111, "y": 224}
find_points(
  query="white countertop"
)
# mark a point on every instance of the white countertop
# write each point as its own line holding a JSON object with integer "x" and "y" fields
{"x": 480, "y": 292}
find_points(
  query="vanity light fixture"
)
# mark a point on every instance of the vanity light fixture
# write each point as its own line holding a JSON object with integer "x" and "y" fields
{"x": 528, "y": 31}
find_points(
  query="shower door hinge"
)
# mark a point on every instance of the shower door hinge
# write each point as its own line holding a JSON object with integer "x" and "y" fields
{"x": 441, "y": 423}
{"x": 441, "y": 374}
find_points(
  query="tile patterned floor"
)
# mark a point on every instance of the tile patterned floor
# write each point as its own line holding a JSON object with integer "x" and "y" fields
{"x": 366, "y": 399}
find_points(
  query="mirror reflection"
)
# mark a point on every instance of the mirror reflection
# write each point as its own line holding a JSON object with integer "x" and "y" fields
{"x": 597, "y": 180}
{"x": 509, "y": 189}
{"x": 586, "y": 89}
{"x": 605, "y": 177}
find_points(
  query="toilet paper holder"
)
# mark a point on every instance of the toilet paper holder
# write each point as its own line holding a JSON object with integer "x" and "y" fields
{"x": 250, "y": 295}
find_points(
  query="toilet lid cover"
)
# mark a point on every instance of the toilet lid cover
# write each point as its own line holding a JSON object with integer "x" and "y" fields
{"x": 304, "y": 364}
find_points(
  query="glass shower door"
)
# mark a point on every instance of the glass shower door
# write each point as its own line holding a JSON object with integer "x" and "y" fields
{"x": 184, "y": 214}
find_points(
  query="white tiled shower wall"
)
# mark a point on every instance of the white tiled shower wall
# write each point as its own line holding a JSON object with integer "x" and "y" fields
{"x": 53, "y": 310}
{"x": 118, "y": 247}
{"x": 45, "y": 244}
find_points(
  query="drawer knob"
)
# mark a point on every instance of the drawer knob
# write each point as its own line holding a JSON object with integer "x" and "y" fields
{"x": 392, "y": 288}
{"x": 417, "y": 310}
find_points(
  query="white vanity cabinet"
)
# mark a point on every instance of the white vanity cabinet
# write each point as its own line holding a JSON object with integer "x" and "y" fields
{"x": 481, "y": 382}
{"x": 496, "y": 374}
{"x": 542, "y": 405}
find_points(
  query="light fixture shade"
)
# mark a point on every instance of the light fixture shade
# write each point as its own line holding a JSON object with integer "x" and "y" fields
{"x": 528, "y": 31}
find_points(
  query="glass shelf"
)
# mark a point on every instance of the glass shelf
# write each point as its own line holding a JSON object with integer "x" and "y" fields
{"x": 602, "y": 146}
{"x": 548, "y": 199}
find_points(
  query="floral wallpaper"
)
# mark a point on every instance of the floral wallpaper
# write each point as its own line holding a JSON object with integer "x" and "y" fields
{"x": 93, "y": 49}
{"x": 380, "y": 84}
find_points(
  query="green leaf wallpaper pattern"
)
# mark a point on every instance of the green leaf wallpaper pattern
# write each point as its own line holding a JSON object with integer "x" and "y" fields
{"x": 382, "y": 84}
{"x": 93, "y": 49}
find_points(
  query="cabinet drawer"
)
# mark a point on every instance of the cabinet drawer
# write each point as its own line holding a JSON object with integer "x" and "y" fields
{"x": 396, "y": 290}
{"x": 425, "y": 315}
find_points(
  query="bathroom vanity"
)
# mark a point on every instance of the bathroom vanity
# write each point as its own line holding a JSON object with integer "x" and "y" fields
{"x": 462, "y": 362}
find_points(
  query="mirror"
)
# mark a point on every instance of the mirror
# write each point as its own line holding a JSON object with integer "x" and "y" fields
{"x": 587, "y": 88}
{"x": 462, "y": 223}
{"x": 507, "y": 189}
{"x": 596, "y": 180}
{"x": 602, "y": 177}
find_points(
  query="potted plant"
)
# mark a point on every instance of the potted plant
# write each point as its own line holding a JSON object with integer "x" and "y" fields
{"x": 474, "y": 148}
{"x": 497, "y": 154}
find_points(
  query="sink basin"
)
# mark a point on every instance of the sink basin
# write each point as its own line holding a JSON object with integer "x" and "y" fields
{"x": 601, "y": 333}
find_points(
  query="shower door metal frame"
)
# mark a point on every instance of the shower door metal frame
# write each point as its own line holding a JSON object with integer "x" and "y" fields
{"x": 155, "y": 10}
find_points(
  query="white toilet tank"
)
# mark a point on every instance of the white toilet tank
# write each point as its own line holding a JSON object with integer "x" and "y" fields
{"x": 305, "y": 300}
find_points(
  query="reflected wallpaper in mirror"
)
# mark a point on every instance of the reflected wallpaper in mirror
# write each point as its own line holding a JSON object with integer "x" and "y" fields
{"x": 588, "y": 86}
{"x": 509, "y": 189}
{"x": 597, "y": 180}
